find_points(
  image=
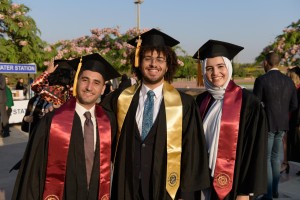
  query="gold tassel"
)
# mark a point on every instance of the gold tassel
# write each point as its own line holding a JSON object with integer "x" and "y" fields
{"x": 199, "y": 74}
{"x": 137, "y": 51}
{"x": 76, "y": 77}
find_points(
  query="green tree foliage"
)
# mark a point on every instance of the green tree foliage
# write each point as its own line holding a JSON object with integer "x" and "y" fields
{"x": 19, "y": 35}
{"x": 187, "y": 65}
{"x": 287, "y": 45}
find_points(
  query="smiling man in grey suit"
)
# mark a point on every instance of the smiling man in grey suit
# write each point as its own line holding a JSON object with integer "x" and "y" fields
{"x": 278, "y": 93}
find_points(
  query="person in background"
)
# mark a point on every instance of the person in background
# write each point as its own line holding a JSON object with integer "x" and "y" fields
{"x": 293, "y": 135}
{"x": 31, "y": 93}
{"x": 3, "y": 113}
{"x": 68, "y": 155}
{"x": 127, "y": 82}
{"x": 133, "y": 78}
{"x": 9, "y": 105}
{"x": 36, "y": 109}
{"x": 21, "y": 86}
{"x": 55, "y": 84}
{"x": 235, "y": 127}
{"x": 285, "y": 167}
{"x": 160, "y": 151}
{"x": 115, "y": 83}
{"x": 108, "y": 89}
{"x": 34, "y": 112}
{"x": 52, "y": 88}
{"x": 279, "y": 95}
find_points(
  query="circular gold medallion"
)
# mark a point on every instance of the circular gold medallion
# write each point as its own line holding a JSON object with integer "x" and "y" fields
{"x": 222, "y": 180}
{"x": 172, "y": 179}
{"x": 105, "y": 197}
{"x": 52, "y": 197}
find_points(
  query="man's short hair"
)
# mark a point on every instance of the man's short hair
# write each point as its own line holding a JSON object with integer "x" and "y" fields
{"x": 273, "y": 58}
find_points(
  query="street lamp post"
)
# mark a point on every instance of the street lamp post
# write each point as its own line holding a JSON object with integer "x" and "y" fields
{"x": 138, "y": 2}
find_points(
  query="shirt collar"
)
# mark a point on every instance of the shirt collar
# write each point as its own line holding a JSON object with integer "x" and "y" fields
{"x": 157, "y": 91}
{"x": 274, "y": 68}
{"x": 81, "y": 110}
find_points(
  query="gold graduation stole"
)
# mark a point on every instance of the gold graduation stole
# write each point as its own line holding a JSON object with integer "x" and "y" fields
{"x": 174, "y": 110}
{"x": 173, "y": 106}
{"x": 123, "y": 104}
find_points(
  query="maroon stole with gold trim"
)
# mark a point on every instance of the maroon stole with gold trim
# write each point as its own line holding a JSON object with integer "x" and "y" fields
{"x": 59, "y": 140}
{"x": 224, "y": 169}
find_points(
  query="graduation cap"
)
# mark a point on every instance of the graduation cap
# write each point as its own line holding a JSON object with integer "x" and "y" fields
{"x": 93, "y": 62}
{"x": 214, "y": 48}
{"x": 152, "y": 37}
{"x": 63, "y": 64}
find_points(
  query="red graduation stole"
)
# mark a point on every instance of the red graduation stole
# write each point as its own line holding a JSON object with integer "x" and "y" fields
{"x": 59, "y": 140}
{"x": 224, "y": 169}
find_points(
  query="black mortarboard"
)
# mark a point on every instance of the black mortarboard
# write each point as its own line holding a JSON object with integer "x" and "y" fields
{"x": 63, "y": 64}
{"x": 96, "y": 63}
{"x": 93, "y": 62}
{"x": 214, "y": 48}
{"x": 154, "y": 37}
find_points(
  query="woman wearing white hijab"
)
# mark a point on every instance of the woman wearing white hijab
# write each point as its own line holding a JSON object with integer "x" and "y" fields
{"x": 234, "y": 125}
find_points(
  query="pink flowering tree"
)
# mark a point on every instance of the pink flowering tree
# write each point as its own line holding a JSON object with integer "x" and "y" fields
{"x": 287, "y": 45}
{"x": 19, "y": 35}
{"x": 108, "y": 42}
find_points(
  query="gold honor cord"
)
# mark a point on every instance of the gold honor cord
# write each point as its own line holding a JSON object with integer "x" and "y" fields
{"x": 173, "y": 108}
{"x": 123, "y": 104}
{"x": 76, "y": 77}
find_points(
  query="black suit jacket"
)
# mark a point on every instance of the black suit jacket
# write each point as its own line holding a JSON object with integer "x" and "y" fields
{"x": 279, "y": 95}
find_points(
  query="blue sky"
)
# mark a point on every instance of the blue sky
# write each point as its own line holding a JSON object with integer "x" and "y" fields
{"x": 252, "y": 24}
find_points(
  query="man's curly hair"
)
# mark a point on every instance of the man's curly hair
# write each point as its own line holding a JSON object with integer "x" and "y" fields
{"x": 171, "y": 59}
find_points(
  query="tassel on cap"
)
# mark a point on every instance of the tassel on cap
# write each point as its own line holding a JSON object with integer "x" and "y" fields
{"x": 199, "y": 72}
{"x": 137, "y": 51}
{"x": 76, "y": 77}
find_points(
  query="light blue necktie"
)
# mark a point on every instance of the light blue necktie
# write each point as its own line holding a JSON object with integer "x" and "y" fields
{"x": 148, "y": 114}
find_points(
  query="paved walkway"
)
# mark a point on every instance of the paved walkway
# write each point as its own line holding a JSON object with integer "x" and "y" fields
{"x": 12, "y": 149}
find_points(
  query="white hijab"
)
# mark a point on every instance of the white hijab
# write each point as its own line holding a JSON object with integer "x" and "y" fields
{"x": 212, "y": 120}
